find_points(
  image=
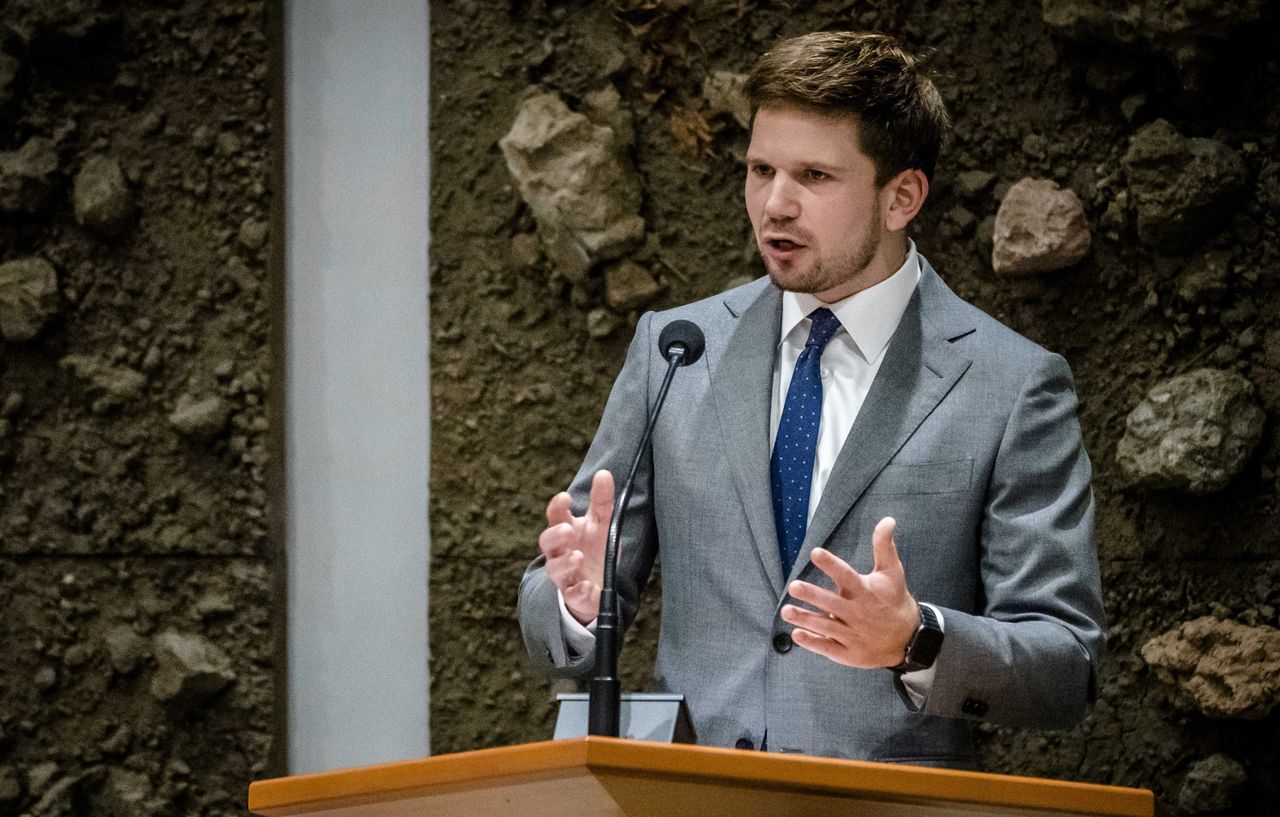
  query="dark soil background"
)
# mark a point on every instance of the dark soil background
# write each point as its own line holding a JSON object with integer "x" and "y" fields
{"x": 520, "y": 375}
{"x": 138, "y": 622}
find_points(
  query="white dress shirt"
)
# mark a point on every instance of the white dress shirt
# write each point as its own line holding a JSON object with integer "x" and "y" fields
{"x": 850, "y": 361}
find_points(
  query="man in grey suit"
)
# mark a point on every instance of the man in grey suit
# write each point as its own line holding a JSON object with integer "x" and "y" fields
{"x": 861, "y": 466}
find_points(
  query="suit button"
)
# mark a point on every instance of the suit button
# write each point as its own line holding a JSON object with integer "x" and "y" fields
{"x": 974, "y": 707}
{"x": 744, "y": 743}
{"x": 782, "y": 643}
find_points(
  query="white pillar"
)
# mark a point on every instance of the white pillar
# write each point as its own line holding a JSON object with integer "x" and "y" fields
{"x": 356, "y": 380}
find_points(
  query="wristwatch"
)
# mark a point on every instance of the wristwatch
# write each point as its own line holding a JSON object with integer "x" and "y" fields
{"x": 923, "y": 648}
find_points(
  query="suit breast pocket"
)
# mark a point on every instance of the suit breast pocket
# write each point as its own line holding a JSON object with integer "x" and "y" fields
{"x": 938, "y": 477}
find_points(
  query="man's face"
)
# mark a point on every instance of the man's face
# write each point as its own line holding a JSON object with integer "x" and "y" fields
{"x": 811, "y": 195}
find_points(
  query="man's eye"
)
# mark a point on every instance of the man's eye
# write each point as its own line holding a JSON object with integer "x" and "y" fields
{"x": 817, "y": 175}
{"x": 761, "y": 170}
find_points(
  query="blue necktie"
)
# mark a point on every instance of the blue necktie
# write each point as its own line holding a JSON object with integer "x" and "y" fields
{"x": 791, "y": 467}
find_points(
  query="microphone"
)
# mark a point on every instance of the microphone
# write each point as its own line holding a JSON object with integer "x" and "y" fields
{"x": 685, "y": 335}
{"x": 681, "y": 343}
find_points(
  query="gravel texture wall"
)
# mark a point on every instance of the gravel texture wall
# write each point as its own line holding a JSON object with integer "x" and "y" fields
{"x": 137, "y": 570}
{"x": 1111, "y": 192}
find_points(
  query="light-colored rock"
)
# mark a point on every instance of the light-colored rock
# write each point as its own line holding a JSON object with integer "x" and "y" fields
{"x": 601, "y": 323}
{"x": 119, "y": 383}
{"x": 253, "y": 234}
{"x": 200, "y": 418}
{"x": 28, "y": 297}
{"x": 1222, "y": 668}
{"x": 1211, "y": 786}
{"x": 28, "y": 176}
{"x": 604, "y": 107}
{"x": 1183, "y": 188}
{"x": 1040, "y": 227}
{"x": 970, "y": 183}
{"x": 102, "y": 201}
{"x": 628, "y": 286}
{"x": 191, "y": 669}
{"x": 125, "y": 648}
{"x": 577, "y": 181}
{"x": 725, "y": 93}
{"x": 1192, "y": 432}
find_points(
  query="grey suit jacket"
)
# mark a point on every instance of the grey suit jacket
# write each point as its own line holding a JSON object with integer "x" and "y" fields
{"x": 968, "y": 437}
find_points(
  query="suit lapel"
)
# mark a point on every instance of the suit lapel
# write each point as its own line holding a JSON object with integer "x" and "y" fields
{"x": 742, "y": 382}
{"x": 919, "y": 368}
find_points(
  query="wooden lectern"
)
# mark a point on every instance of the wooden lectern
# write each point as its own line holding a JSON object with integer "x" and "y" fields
{"x": 587, "y": 777}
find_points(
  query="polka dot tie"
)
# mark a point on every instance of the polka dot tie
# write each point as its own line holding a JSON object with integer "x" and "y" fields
{"x": 791, "y": 467}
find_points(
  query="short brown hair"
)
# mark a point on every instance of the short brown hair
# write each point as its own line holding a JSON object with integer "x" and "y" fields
{"x": 902, "y": 120}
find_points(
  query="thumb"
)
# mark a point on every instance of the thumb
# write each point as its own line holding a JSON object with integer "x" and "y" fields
{"x": 601, "y": 508}
{"x": 884, "y": 549}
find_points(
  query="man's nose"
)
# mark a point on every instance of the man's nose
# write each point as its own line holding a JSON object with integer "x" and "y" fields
{"x": 782, "y": 202}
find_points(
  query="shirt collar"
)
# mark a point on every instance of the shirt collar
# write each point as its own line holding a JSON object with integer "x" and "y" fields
{"x": 870, "y": 316}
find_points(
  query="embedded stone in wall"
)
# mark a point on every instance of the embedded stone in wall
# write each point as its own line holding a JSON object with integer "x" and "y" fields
{"x": 1192, "y": 432}
{"x": 725, "y": 93}
{"x": 601, "y": 323}
{"x": 125, "y": 648}
{"x": 971, "y": 183}
{"x": 1207, "y": 278}
{"x": 1183, "y": 188}
{"x": 604, "y": 107}
{"x": 101, "y": 198}
{"x": 1180, "y": 30}
{"x": 573, "y": 174}
{"x": 1211, "y": 785}
{"x": 1040, "y": 227}
{"x": 114, "y": 384}
{"x": 28, "y": 297}
{"x": 628, "y": 286}
{"x": 1222, "y": 668}
{"x": 201, "y": 419}
{"x": 37, "y": 21}
{"x": 191, "y": 669}
{"x": 28, "y": 176}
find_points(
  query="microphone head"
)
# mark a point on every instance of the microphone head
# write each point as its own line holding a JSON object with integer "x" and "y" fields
{"x": 682, "y": 333}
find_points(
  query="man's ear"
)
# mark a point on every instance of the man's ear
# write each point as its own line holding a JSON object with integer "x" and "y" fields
{"x": 904, "y": 196}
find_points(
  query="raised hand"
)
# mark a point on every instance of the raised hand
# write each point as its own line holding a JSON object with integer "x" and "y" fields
{"x": 574, "y": 547}
{"x": 869, "y": 619}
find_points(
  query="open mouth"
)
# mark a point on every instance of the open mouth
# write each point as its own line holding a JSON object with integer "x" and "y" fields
{"x": 783, "y": 244}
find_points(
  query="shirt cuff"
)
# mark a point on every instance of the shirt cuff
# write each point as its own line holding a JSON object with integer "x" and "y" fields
{"x": 918, "y": 683}
{"x": 577, "y": 638}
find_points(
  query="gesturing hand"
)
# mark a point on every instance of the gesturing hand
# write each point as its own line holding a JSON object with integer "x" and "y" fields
{"x": 574, "y": 547}
{"x": 869, "y": 619}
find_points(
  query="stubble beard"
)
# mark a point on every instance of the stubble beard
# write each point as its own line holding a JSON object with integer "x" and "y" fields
{"x": 822, "y": 277}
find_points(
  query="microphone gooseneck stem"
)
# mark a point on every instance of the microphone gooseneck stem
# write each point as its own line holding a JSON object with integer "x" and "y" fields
{"x": 604, "y": 714}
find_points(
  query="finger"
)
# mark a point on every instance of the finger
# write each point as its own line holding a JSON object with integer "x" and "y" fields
{"x": 883, "y": 547}
{"x": 555, "y": 540}
{"x": 819, "y": 597}
{"x": 562, "y": 575}
{"x": 817, "y": 623}
{"x": 601, "y": 508}
{"x": 846, "y": 579}
{"x": 560, "y": 509}
{"x": 817, "y": 644}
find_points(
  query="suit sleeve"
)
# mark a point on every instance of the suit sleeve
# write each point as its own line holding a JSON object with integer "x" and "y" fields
{"x": 1031, "y": 658}
{"x": 614, "y": 447}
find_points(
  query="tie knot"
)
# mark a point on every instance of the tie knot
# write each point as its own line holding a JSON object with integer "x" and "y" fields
{"x": 825, "y": 325}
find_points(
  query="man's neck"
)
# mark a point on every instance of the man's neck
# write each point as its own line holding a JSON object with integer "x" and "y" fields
{"x": 890, "y": 257}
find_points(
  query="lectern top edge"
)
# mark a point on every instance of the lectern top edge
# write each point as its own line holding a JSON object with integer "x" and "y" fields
{"x": 599, "y": 757}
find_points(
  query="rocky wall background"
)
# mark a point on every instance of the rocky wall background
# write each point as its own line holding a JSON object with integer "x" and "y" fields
{"x": 136, "y": 560}
{"x": 1111, "y": 191}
